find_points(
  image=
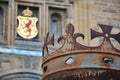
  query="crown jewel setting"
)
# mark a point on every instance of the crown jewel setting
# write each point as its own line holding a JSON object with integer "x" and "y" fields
{"x": 74, "y": 61}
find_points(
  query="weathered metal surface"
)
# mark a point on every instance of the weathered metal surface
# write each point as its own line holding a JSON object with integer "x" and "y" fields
{"x": 74, "y": 61}
{"x": 84, "y": 74}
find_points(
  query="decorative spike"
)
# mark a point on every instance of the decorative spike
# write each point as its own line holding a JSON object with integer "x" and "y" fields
{"x": 95, "y": 34}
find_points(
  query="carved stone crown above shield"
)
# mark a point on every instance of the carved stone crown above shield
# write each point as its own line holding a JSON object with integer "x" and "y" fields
{"x": 27, "y": 25}
{"x": 74, "y": 61}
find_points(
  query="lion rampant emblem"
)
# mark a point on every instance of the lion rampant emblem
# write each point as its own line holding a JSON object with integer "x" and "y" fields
{"x": 27, "y": 25}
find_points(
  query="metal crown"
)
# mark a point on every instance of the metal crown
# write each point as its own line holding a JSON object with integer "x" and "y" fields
{"x": 74, "y": 61}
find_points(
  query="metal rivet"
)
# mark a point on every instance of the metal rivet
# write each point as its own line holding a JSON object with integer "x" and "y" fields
{"x": 106, "y": 35}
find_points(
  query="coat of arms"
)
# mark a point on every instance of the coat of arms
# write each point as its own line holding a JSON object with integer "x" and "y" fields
{"x": 27, "y": 25}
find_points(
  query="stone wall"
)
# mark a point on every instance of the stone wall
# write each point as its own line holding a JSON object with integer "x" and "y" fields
{"x": 18, "y": 67}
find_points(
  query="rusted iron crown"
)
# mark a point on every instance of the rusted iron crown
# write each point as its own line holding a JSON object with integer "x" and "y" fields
{"x": 74, "y": 61}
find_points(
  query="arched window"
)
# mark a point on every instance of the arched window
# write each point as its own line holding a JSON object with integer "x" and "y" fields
{"x": 56, "y": 24}
{"x": 1, "y": 22}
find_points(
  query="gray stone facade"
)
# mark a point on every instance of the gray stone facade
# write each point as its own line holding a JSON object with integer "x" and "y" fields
{"x": 17, "y": 67}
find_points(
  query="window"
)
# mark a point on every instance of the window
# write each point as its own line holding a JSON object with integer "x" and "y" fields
{"x": 56, "y": 26}
{"x": 26, "y": 28}
{"x": 57, "y": 21}
{"x": 35, "y": 14}
{"x": 3, "y": 23}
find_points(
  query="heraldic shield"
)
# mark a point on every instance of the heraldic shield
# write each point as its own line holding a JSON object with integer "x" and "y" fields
{"x": 27, "y": 27}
